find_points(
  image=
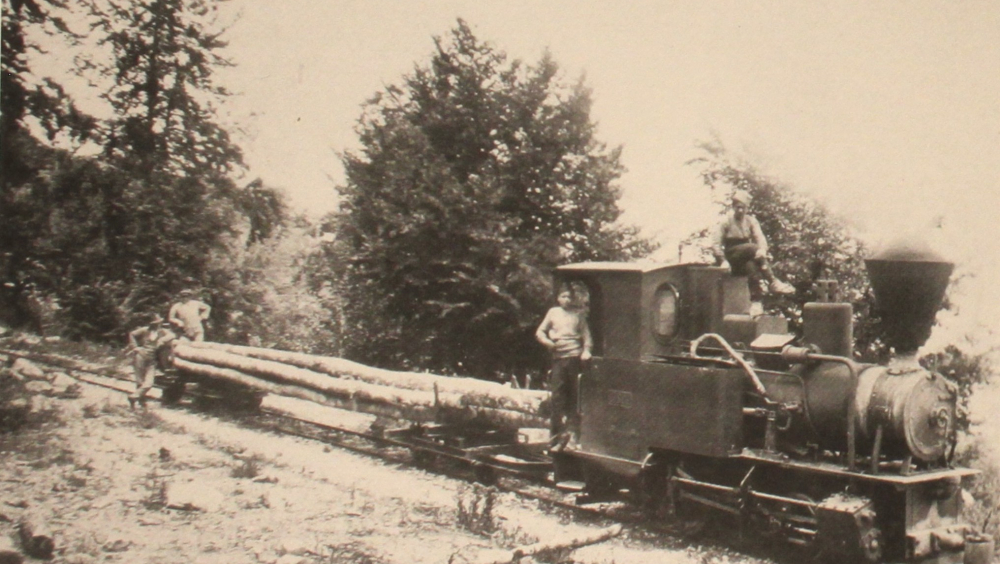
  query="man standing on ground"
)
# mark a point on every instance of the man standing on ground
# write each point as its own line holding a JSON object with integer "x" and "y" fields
{"x": 143, "y": 345}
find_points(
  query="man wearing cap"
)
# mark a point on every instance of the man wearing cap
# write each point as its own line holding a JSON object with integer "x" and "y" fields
{"x": 143, "y": 344}
{"x": 740, "y": 241}
{"x": 187, "y": 316}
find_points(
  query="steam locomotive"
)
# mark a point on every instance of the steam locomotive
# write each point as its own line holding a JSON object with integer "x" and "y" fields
{"x": 704, "y": 412}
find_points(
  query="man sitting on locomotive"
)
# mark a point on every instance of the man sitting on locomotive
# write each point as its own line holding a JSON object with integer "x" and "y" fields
{"x": 565, "y": 332}
{"x": 740, "y": 241}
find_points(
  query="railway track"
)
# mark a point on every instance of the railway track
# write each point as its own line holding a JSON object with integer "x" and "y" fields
{"x": 538, "y": 488}
{"x": 377, "y": 445}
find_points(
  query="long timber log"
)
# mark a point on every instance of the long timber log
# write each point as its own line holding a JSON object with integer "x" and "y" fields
{"x": 466, "y": 392}
{"x": 280, "y": 379}
{"x": 341, "y": 402}
{"x": 312, "y": 380}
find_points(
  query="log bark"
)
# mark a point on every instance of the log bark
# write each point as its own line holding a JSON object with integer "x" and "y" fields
{"x": 352, "y": 395}
{"x": 469, "y": 391}
{"x": 402, "y": 412}
{"x": 549, "y": 547}
{"x": 309, "y": 379}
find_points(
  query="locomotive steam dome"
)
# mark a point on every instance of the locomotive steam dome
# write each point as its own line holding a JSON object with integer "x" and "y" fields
{"x": 914, "y": 407}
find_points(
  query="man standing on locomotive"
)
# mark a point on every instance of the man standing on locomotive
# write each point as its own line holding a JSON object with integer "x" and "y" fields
{"x": 565, "y": 332}
{"x": 740, "y": 241}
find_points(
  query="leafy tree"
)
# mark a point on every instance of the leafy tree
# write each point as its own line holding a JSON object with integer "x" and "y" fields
{"x": 33, "y": 116}
{"x": 807, "y": 242}
{"x": 102, "y": 238}
{"x": 265, "y": 208}
{"x": 477, "y": 175}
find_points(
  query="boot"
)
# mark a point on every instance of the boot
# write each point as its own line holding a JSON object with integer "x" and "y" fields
{"x": 781, "y": 287}
{"x": 131, "y": 402}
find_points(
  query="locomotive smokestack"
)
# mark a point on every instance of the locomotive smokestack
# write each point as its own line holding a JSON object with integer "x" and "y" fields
{"x": 909, "y": 280}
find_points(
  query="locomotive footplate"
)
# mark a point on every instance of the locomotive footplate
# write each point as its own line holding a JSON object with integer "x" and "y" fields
{"x": 837, "y": 470}
{"x": 485, "y": 450}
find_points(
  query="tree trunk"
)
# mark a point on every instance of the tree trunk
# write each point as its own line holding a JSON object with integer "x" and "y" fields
{"x": 451, "y": 391}
{"x": 459, "y": 391}
{"x": 408, "y": 405}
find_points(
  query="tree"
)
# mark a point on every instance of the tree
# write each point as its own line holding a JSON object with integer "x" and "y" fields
{"x": 477, "y": 175}
{"x": 33, "y": 116}
{"x": 807, "y": 242}
{"x": 104, "y": 238}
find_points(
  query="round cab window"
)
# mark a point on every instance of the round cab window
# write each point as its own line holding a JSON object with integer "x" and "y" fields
{"x": 665, "y": 306}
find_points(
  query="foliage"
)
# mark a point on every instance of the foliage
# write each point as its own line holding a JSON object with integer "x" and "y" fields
{"x": 965, "y": 370}
{"x": 91, "y": 242}
{"x": 477, "y": 175}
{"x": 807, "y": 243}
{"x": 261, "y": 298}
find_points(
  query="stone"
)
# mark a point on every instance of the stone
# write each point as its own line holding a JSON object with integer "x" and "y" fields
{"x": 193, "y": 496}
{"x": 298, "y": 546}
{"x": 39, "y": 387}
{"x": 28, "y": 369}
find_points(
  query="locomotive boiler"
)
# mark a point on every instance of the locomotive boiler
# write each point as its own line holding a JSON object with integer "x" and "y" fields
{"x": 700, "y": 411}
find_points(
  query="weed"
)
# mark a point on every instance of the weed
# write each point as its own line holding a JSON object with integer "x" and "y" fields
{"x": 475, "y": 510}
{"x": 350, "y": 553}
{"x": 250, "y": 468}
{"x": 91, "y": 411}
{"x": 156, "y": 487}
{"x": 985, "y": 491}
{"x": 148, "y": 420}
{"x": 107, "y": 408}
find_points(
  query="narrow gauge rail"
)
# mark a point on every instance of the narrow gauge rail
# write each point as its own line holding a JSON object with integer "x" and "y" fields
{"x": 391, "y": 446}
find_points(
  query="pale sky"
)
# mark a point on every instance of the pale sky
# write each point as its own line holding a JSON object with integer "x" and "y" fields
{"x": 887, "y": 111}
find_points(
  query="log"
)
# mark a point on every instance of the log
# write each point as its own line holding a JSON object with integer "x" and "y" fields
{"x": 35, "y": 540}
{"x": 316, "y": 413}
{"x": 470, "y": 391}
{"x": 359, "y": 396}
{"x": 309, "y": 379}
{"x": 549, "y": 547}
{"x": 402, "y": 412}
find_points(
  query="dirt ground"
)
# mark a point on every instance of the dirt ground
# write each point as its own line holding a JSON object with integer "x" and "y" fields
{"x": 167, "y": 485}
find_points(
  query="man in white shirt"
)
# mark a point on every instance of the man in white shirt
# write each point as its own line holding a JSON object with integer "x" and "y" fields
{"x": 740, "y": 241}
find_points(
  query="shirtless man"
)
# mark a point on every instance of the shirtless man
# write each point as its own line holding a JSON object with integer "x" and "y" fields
{"x": 187, "y": 316}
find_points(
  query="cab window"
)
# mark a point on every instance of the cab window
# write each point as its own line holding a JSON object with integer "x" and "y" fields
{"x": 665, "y": 308}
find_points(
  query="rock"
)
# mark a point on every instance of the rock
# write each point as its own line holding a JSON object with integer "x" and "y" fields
{"x": 193, "y": 497}
{"x": 8, "y": 552}
{"x": 292, "y": 559}
{"x": 39, "y": 387}
{"x": 116, "y": 545}
{"x": 79, "y": 559}
{"x": 297, "y": 546}
{"x": 28, "y": 370}
{"x": 61, "y": 380}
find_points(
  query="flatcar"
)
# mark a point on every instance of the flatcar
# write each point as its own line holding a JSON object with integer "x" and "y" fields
{"x": 702, "y": 412}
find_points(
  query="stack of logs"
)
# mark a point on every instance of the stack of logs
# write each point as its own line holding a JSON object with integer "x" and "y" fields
{"x": 336, "y": 382}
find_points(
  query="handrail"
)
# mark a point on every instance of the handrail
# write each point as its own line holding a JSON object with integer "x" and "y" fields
{"x": 734, "y": 355}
